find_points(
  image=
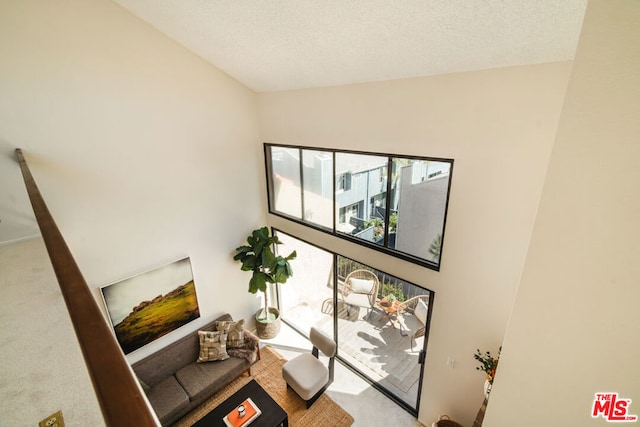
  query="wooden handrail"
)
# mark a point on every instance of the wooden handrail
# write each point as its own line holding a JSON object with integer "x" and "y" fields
{"x": 121, "y": 398}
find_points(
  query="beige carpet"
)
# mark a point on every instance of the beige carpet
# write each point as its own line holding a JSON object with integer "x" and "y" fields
{"x": 268, "y": 372}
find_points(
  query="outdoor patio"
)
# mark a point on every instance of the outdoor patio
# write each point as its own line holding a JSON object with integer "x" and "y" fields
{"x": 369, "y": 340}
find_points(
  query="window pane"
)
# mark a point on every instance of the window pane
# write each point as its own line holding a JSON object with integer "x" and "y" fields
{"x": 317, "y": 176}
{"x": 285, "y": 181}
{"x": 361, "y": 186}
{"x": 307, "y": 296}
{"x": 419, "y": 199}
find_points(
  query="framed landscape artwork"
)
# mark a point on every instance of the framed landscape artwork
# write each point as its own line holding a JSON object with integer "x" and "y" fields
{"x": 149, "y": 305}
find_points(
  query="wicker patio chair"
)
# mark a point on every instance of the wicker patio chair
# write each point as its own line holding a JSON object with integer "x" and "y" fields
{"x": 360, "y": 289}
{"x": 412, "y": 317}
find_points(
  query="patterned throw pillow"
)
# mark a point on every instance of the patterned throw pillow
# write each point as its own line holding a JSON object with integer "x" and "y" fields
{"x": 234, "y": 331}
{"x": 213, "y": 346}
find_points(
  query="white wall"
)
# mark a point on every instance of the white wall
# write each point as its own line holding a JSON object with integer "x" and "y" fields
{"x": 499, "y": 126}
{"x": 142, "y": 151}
{"x": 575, "y": 323}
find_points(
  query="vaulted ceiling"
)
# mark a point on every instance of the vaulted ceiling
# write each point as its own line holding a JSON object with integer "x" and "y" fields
{"x": 272, "y": 45}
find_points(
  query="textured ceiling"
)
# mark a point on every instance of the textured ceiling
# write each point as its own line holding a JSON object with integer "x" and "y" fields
{"x": 274, "y": 45}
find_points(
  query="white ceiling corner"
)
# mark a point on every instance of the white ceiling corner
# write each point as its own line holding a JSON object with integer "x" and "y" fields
{"x": 291, "y": 44}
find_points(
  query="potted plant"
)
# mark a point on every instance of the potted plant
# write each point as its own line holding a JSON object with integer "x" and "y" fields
{"x": 488, "y": 364}
{"x": 388, "y": 300}
{"x": 258, "y": 257}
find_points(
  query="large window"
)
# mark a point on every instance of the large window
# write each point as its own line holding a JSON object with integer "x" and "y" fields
{"x": 396, "y": 204}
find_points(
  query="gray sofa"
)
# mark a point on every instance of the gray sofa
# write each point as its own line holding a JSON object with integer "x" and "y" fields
{"x": 175, "y": 383}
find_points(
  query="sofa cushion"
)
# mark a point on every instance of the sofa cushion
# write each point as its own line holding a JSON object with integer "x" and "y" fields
{"x": 168, "y": 399}
{"x": 201, "y": 380}
{"x": 161, "y": 364}
{"x": 361, "y": 300}
{"x": 145, "y": 387}
{"x": 305, "y": 374}
{"x": 213, "y": 346}
{"x": 361, "y": 286}
{"x": 234, "y": 331}
{"x": 421, "y": 311}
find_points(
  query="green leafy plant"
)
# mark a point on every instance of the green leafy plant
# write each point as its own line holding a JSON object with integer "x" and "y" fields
{"x": 378, "y": 226}
{"x": 395, "y": 291}
{"x": 258, "y": 257}
{"x": 435, "y": 247}
{"x": 488, "y": 363}
{"x": 393, "y": 221}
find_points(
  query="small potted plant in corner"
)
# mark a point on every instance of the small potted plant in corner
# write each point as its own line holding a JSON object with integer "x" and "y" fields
{"x": 258, "y": 257}
{"x": 488, "y": 364}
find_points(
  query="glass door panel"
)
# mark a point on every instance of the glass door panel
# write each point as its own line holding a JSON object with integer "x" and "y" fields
{"x": 380, "y": 334}
{"x": 383, "y": 340}
{"x": 307, "y": 297}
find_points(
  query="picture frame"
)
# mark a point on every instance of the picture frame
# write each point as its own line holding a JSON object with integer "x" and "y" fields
{"x": 149, "y": 305}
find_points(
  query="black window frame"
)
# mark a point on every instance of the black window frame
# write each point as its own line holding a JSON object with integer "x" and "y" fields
{"x": 384, "y": 248}
{"x": 349, "y": 365}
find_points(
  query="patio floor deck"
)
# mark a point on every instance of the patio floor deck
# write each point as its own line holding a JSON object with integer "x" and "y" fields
{"x": 372, "y": 343}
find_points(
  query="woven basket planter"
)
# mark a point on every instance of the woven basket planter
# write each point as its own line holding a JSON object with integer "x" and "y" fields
{"x": 444, "y": 421}
{"x": 267, "y": 330}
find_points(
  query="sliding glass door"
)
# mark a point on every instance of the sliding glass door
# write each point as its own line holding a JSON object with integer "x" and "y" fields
{"x": 380, "y": 321}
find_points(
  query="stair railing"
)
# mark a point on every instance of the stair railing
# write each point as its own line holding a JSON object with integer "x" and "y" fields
{"x": 121, "y": 399}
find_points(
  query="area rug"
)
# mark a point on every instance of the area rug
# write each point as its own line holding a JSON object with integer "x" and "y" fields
{"x": 268, "y": 372}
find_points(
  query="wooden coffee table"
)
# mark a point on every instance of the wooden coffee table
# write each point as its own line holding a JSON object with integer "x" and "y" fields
{"x": 390, "y": 310}
{"x": 272, "y": 414}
